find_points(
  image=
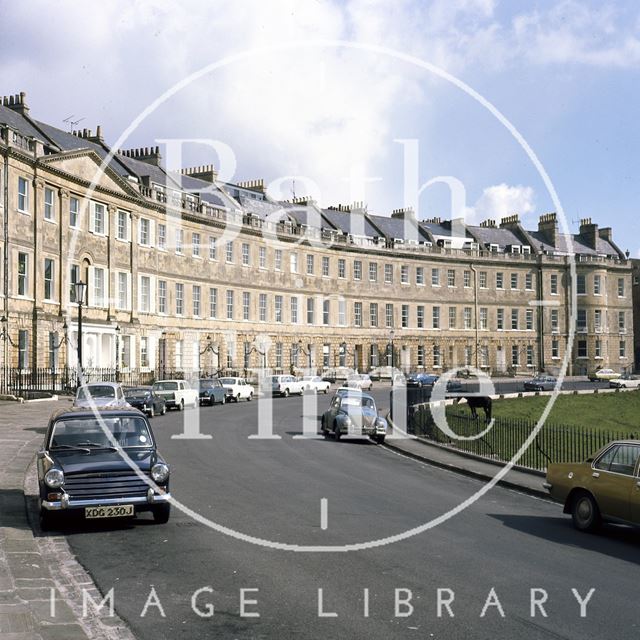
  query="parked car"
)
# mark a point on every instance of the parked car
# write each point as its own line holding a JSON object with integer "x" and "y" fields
{"x": 604, "y": 374}
{"x": 540, "y": 383}
{"x": 237, "y": 389}
{"x": 146, "y": 400}
{"x": 333, "y": 374}
{"x": 177, "y": 394}
{"x": 353, "y": 414}
{"x": 454, "y": 385}
{"x": 316, "y": 384}
{"x": 360, "y": 381}
{"x": 82, "y": 470}
{"x": 212, "y": 391}
{"x": 627, "y": 381}
{"x": 100, "y": 394}
{"x": 286, "y": 385}
{"x": 602, "y": 488}
{"x": 421, "y": 379}
{"x": 381, "y": 373}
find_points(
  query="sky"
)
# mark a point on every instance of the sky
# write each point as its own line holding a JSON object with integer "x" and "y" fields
{"x": 266, "y": 90}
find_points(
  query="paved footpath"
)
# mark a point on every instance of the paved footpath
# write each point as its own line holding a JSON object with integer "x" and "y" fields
{"x": 34, "y": 565}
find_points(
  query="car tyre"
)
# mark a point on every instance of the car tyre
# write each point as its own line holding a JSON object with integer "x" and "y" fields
{"x": 285, "y": 393}
{"x": 585, "y": 512}
{"x": 164, "y": 409}
{"x": 379, "y": 439}
{"x": 237, "y": 398}
{"x": 250, "y": 397}
{"x": 152, "y": 412}
{"x": 224, "y": 400}
{"x": 161, "y": 513}
{"x": 336, "y": 432}
{"x": 180, "y": 406}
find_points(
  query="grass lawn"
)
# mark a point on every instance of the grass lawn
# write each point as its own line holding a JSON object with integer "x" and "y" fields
{"x": 610, "y": 411}
{"x": 578, "y": 426}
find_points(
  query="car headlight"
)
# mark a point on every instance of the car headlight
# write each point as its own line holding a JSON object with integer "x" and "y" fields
{"x": 381, "y": 423}
{"x": 160, "y": 472}
{"x": 54, "y": 478}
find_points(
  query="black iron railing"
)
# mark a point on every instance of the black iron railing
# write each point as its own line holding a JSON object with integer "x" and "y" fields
{"x": 553, "y": 442}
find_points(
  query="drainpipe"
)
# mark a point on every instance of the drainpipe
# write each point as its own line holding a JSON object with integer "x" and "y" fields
{"x": 475, "y": 312}
{"x": 5, "y": 235}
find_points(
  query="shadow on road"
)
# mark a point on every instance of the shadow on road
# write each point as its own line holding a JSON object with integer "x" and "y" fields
{"x": 617, "y": 541}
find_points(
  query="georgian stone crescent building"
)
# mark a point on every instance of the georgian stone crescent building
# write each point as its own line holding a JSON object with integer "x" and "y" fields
{"x": 185, "y": 272}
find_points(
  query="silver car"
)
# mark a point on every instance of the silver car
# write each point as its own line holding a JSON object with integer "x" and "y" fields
{"x": 102, "y": 395}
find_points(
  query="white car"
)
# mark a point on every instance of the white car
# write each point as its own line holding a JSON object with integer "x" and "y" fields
{"x": 237, "y": 389}
{"x": 316, "y": 384}
{"x": 360, "y": 381}
{"x": 100, "y": 394}
{"x": 286, "y": 385}
{"x": 625, "y": 382}
{"x": 177, "y": 394}
{"x": 604, "y": 374}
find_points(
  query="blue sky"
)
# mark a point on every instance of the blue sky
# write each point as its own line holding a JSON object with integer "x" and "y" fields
{"x": 564, "y": 73}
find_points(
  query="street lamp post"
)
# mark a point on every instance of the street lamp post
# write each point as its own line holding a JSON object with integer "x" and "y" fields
{"x": 117, "y": 353}
{"x": 210, "y": 348}
{"x": 54, "y": 359}
{"x": 80, "y": 288}
{"x": 305, "y": 352}
{"x": 392, "y": 334}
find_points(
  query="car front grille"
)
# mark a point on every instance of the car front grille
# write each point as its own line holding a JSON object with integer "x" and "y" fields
{"x": 117, "y": 484}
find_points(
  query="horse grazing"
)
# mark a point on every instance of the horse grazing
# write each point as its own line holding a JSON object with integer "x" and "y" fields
{"x": 479, "y": 402}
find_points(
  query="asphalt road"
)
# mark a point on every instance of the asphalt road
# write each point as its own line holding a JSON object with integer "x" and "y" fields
{"x": 272, "y": 489}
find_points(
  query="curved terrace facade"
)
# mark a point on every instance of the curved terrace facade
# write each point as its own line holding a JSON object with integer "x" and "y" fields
{"x": 185, "y": 272}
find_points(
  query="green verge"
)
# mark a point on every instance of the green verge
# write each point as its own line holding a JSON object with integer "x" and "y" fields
{"x": 577, "y": 426}
{"x": 603, "y": 411}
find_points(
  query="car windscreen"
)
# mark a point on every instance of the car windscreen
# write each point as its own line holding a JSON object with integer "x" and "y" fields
{"x": 136, "y": 393}
{"x": 358, "y": 401}
{"x": 165, "y": 386}
{"x": 96, "y": 391}
{"x": 208, "y": 384}
{"x": 126, "y": 431}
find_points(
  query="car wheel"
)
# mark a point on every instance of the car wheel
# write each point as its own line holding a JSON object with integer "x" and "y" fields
{"x": 180, "y": 405}
{"x": 336, "y": 431}
{"x": 380, "y": 439}
{"x": 285, "y": 393}
{"x": 224, "y": 400}
{"x": 152, "y": 412}
{"x": 163, "y": 410}
{"x": 161, "y": 513}
{"x": 325, "y": 391}
{"x": 585, "y": 512}
{"x": 250, "y": 398}
{"x": 237, "y": 398}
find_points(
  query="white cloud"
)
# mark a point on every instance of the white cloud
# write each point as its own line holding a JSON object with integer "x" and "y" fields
{"x": 500, "y": 200}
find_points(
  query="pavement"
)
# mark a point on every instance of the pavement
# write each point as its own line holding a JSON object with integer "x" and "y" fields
{"x": 34, "y": 565}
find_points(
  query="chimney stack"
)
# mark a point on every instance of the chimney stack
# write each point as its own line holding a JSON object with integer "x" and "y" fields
{"x": 150, "y": 155}
{"x": 548, "y": 226}
{"x": 17, "y": 102}
{"x": 205, "y": 172}
{"x": 254, "y": 185}
{"x": 589, "y": 233}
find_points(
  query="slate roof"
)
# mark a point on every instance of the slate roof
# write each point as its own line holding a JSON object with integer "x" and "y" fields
{"x": 395, "y": 228}
{"x": 16, "y": 121}
{"x": 344, "y": 221}
{"x": 495, "y": 235}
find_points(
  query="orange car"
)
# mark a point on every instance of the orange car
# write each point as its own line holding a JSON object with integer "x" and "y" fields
{"x": 605, "y": 487}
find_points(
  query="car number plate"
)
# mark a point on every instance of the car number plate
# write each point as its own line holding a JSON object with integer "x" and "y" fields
{"x": 118, "y": 511}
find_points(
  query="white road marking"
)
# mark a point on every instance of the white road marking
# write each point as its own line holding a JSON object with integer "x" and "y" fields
{"x": 324, "y": 516}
